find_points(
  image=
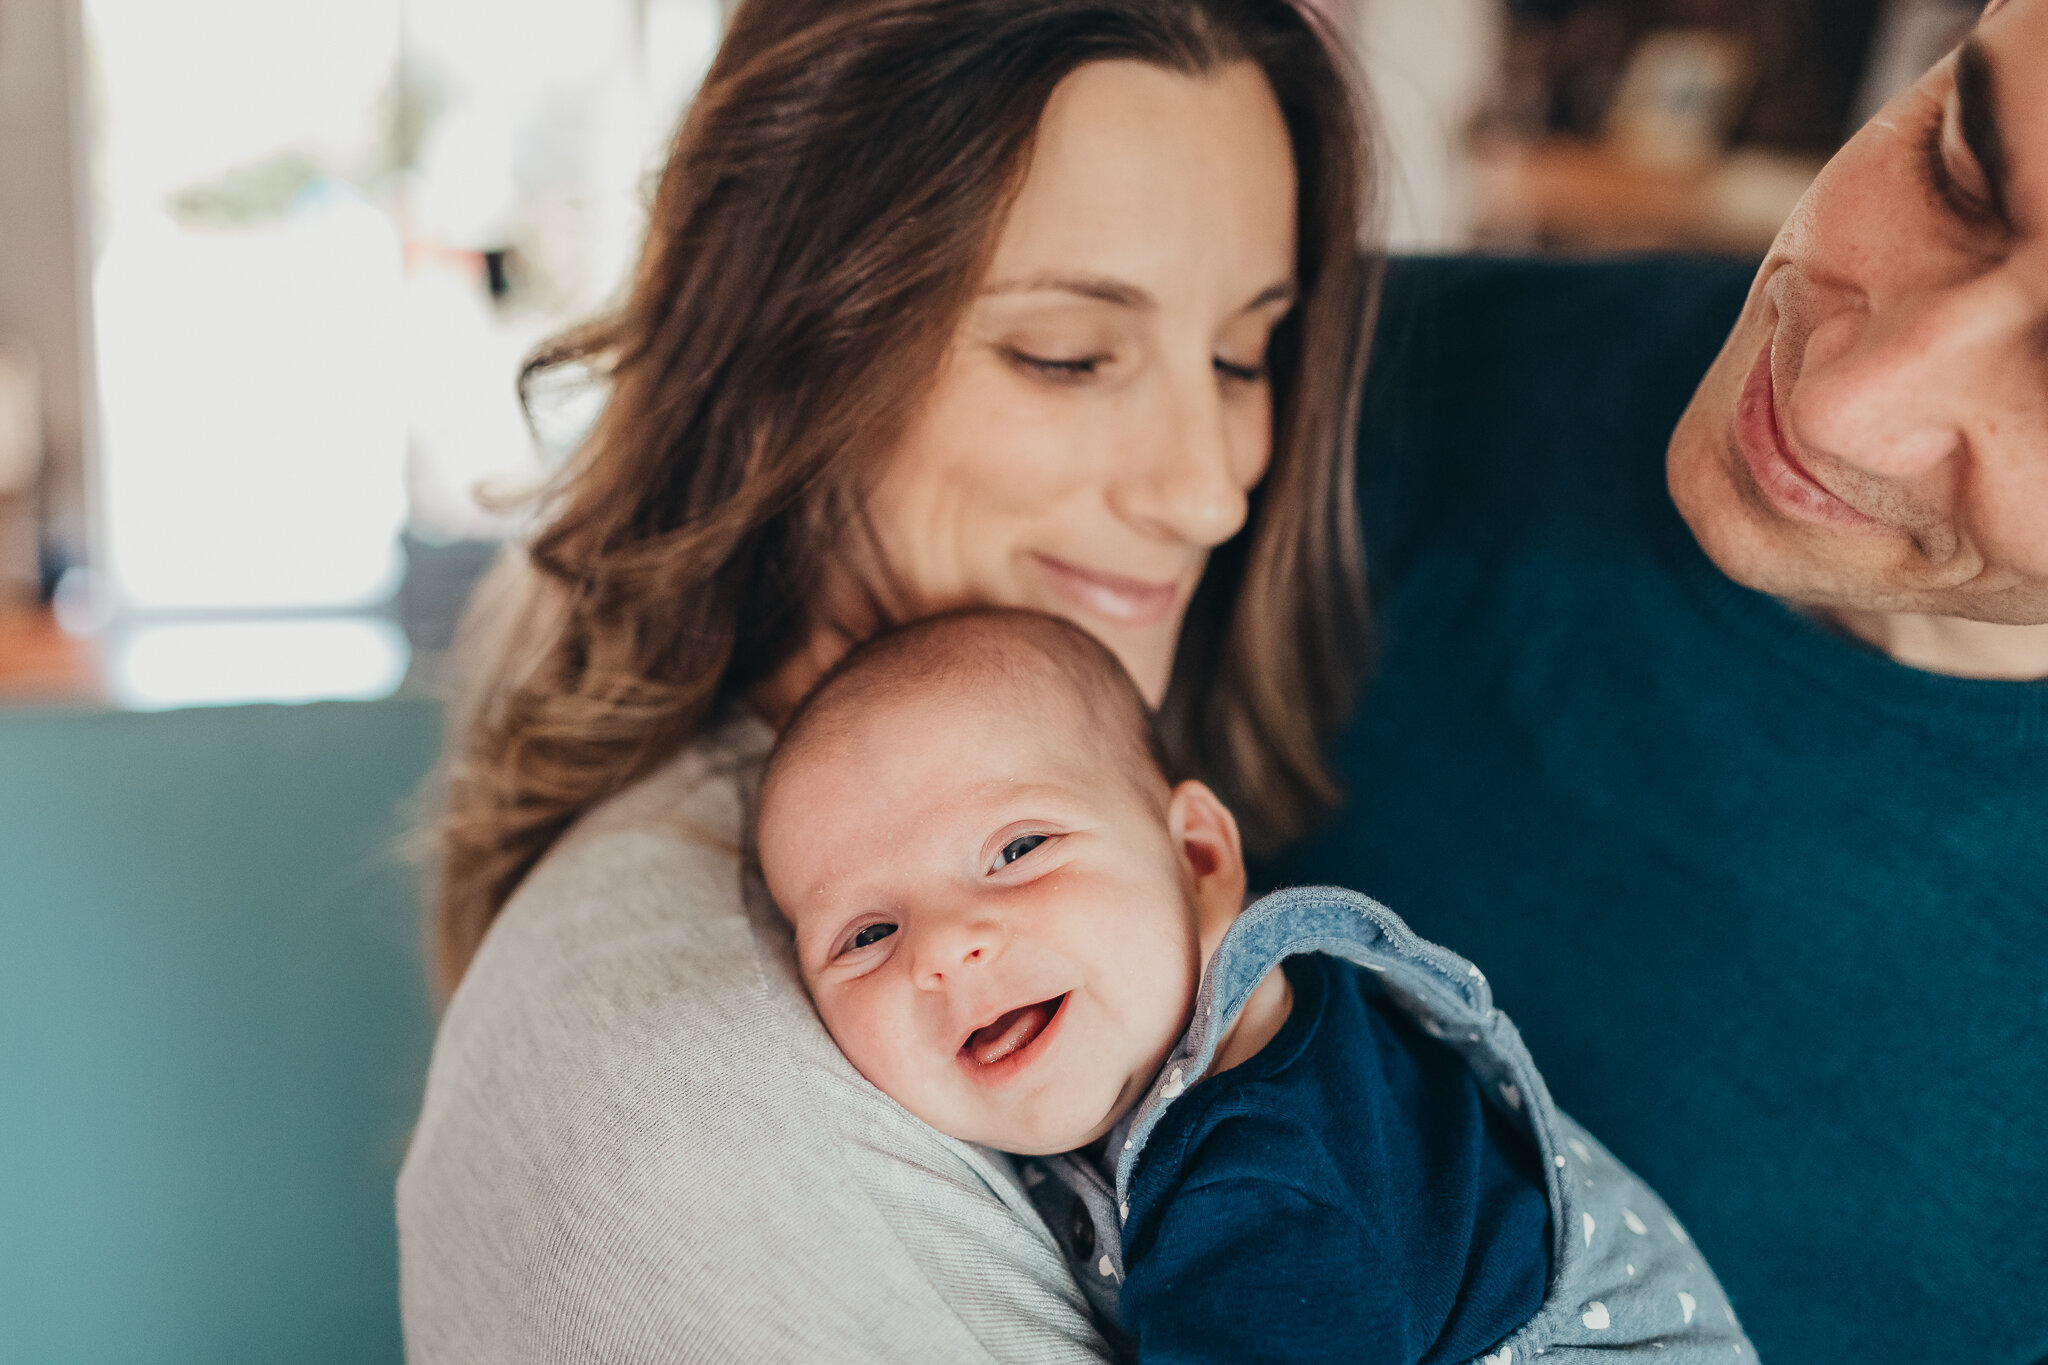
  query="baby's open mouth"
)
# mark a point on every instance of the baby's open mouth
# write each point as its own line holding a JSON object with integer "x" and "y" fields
{"x": 1010, "y": 1033}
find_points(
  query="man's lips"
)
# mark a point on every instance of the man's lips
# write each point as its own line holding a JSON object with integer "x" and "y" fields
{"x": 1010, "y": 1032}
{"x": 1760, "y": 440}
{"x": 1126, "y": 601}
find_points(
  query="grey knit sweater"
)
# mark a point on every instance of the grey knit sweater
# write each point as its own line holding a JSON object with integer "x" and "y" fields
{"x": 639, "y": 1144}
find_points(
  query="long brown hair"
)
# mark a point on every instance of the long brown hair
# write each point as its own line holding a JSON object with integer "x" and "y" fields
{"x": 825, "y": 216}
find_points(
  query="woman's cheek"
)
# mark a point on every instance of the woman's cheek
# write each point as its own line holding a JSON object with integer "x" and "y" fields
{"x": 1051, "y": 441}
{"x": 1253, "y": 421}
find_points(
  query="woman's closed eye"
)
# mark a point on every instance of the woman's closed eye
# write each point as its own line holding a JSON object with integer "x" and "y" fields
{"x": 1070, "y": 370}
{"x": 1059, "y": 369}
{"x": 1015, "y": 849}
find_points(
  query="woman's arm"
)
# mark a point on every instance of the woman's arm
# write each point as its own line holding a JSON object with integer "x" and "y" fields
{"x": 638, "y": 1144}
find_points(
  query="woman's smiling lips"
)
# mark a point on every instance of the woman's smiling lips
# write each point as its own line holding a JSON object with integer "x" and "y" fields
{"x": 1760, "y": 439}
{"x": 1126, "y": 601}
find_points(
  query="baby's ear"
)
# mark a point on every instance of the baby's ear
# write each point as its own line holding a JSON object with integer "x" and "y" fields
{"x": 1205, "y": 834}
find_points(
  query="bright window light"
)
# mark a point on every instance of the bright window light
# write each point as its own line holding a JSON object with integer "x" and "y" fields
{"x": 248, "y": 303}
{"x": 327, "y": 234}
{"x": 254, "y": 424}
{"x": 219, "y": 663}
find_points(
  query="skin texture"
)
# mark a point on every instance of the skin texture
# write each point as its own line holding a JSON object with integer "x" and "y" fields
{"x": 1898, "y": 333}
{"x": 998, "y": 859}
{"x": 1102, "y": 411}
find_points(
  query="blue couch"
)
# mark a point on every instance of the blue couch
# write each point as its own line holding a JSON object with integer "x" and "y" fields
{"x": 213, "y": 1031}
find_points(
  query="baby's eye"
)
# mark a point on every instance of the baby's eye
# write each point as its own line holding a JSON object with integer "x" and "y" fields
{"x": 870, "y": 934}
{"x": 1016, "y": 849}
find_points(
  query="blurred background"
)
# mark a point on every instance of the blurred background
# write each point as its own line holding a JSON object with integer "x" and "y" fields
{"x": 267, "y": 271}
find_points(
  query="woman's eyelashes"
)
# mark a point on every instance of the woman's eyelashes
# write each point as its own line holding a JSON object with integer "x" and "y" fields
{"x": 1079, "y": 368}
{"x": 1060, "y": 371}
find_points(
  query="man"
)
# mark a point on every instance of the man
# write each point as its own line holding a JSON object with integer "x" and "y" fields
{"x": 1726, "y": 751}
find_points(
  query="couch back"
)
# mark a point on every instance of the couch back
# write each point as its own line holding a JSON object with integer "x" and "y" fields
{"x": 214, "y": 1027}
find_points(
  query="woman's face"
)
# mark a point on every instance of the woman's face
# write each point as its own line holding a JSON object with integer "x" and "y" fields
{"x": 1103, "y": 410}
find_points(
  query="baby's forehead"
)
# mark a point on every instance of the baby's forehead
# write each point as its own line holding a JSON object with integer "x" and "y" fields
{"x": 1001, "y": 733}
{"x": 999, "y": 688}
{"x": 919, "y": 772}
{"x": 959, "y": 705}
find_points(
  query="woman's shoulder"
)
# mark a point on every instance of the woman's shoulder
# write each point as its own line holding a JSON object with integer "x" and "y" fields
{"x": 633, "y": 1114}
{"x": 645, "y": 893}
{"x": 633, "y": 929}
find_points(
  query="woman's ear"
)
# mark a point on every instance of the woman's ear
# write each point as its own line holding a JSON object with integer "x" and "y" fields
{"x": 1205, "y": 835}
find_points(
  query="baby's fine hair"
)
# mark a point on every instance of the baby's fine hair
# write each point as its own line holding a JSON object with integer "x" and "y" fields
{"x": 982, "y": 650}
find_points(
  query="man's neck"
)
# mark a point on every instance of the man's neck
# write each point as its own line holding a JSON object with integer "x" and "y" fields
{"x": 1950, "y": 644}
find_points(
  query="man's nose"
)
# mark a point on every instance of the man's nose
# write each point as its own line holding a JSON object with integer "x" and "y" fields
{"x": 1185, "y": 477}
{"x": 948, "y": 946}
{"x": 1896, "y": 387}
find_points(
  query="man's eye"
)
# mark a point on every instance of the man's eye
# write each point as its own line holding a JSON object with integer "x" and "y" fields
{"x": 1016, "y": 849}
{"x": 1955, "y": 171}
{"x": 869, "y": 935}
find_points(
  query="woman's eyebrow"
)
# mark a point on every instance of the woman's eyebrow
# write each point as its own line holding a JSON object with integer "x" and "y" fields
{"x": 1105, "y": 289}
{"x": 1977, "y": 106}
{"x": 1101, "y": 288}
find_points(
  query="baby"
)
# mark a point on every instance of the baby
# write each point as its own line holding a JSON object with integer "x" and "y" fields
{"x": 1292, "y": 1131}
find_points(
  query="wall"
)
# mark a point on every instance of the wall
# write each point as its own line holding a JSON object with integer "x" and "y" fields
{"x": 44, "y": 231}
{"x": 1428, "y": 63}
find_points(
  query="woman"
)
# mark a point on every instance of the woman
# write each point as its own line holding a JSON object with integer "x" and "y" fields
{"x": 1051, "y": 303}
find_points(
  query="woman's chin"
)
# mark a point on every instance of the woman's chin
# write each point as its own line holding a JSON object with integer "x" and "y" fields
{"x": 1147, "y": 656}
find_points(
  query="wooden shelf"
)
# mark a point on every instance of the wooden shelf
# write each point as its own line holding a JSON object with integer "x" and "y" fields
{"x": 39, "y": 663}
{"x": 1577, "y": 195}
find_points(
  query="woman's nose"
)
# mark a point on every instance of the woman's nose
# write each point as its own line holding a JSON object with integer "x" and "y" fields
{"x": 949, "y": 946}
{"x": 1187, "y": 475}
{"x": 1896, "y": 388}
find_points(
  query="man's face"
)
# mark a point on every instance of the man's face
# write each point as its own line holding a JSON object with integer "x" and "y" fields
{"x": 1874, "y": 435}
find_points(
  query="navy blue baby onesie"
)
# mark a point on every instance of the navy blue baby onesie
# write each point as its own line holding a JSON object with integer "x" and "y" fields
{"x": 1386, "y": 1180}
{"x": 1346, "y": 1194}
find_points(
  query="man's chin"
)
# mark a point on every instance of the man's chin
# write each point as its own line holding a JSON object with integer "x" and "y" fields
{"x": 1753, "y": 545}
{"x": 1704, "y": 488}
{"x": 1827, "y": 573}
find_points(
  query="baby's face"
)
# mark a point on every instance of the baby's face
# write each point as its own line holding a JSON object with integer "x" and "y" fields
{"x": 999, "y": 927}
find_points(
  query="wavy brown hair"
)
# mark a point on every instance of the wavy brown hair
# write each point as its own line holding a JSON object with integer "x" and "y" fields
{"x": 827, "y": 210}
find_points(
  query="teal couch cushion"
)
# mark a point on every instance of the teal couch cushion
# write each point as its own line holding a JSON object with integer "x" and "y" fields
{"x": 213, "y": 1030}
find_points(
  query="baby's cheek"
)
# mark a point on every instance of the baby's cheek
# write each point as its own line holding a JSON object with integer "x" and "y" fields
{"x": 1156, "y": 962}
{"x": 872, "y": 1041}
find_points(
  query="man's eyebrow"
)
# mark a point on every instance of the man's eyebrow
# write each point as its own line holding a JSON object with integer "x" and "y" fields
{"x": 1104, "y": 289}
{"x": 1977, "y": 105}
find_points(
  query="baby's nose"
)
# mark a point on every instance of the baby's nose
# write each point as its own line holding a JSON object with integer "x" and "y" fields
{"x": 956, "y": 946}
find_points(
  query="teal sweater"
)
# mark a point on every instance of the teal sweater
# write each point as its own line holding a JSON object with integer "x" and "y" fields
{"x": 1771, "y": 910}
